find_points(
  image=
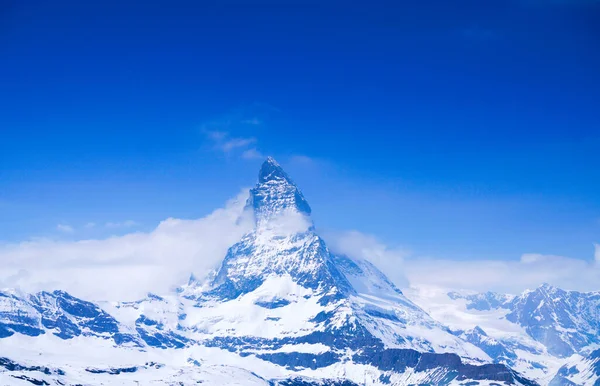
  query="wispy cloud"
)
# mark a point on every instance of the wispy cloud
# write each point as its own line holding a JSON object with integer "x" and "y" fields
{"x": 302, "y": 159}
{"x": 216, "y": 135}
{"x": 235, "y": 143}
{"x": 65, "y": 228}
{"x": 123, "y": 224}
{"x": 252, "y": 154}
{"x": 228, "y": 145}
{"x": 235, "y": 132}
{"x": 89, "y": 225}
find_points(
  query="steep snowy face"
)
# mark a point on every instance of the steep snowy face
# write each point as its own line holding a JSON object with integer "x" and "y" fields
{"x": 57, "y": 313}
{"x": 264, "y": 253}
{"x": 566, "y": 322}
{"x": 579, "y": 371}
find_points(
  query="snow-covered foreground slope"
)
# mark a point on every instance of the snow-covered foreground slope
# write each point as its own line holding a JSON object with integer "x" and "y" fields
{"x": 281, "y": 309}
{"x": 95, "y": 361}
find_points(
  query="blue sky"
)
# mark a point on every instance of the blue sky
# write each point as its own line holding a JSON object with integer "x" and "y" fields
{"x": 461, "y": 129}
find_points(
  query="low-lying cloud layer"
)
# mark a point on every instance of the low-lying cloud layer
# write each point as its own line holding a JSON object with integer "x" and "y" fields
{"x": 515, "y": 276}
{"x": 362, "y": 246}
{"x": 126, "y": 267}
{"x": 509, "y": 276}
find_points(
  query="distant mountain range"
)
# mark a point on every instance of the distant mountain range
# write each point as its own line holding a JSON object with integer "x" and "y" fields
{"x": 282, "y": 309}
{"x": 548, "y": 334}
{"x": 565, "y": 322}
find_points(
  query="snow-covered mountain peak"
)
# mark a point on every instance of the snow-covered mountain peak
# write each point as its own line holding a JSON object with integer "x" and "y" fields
{"x": 283, "y": 242}
{"x": 352, "y": 298}
{"x": 548, "y": 289}
{"x": 275, "y": 195}
{"x": 280, "y": 310}
{"x": 547, "y": 286}
{"x": 271, "y": 170}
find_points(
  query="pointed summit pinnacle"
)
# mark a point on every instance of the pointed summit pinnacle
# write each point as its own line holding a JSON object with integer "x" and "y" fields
{"x": 275, "y": 193}
{"x": 271, "y": 170}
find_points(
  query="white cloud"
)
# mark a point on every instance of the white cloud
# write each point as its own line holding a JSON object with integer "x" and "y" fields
{"x": 124, "y": 224}
{"x": 216, "y": 135}
{"x": 362, "y": 246}
{"x": 235, "y": 143}
{"x": 65, "y": 228}
{"x": 126, "y": 267}
{"x": 285, "y": 224}
{"x": 89, "y": 225}
{"x": 223, "y": 142}
{"x": 514, "y": 276}
{"x": 228, "y": 134}
{"x": 252, "y": 154}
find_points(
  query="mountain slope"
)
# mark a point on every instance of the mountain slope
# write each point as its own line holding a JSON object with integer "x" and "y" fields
{"x": 566, "y": 322}
{"x": 579, "y": 371}
{"x": 60, "y": 314}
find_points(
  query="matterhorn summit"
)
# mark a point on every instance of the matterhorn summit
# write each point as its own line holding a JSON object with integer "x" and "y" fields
{"x": 283, "y": 243}
{"x": 276, "y": 194}
{"x": 280, "y": 309}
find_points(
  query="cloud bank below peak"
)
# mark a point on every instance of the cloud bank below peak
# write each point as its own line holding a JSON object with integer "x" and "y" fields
{"x": 129, "y": 266}
{"x": 508, "y": 276}
{"x": 531, "y": 270}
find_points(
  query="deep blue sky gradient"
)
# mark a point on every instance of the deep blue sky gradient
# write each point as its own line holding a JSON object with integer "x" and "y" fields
{"x": 464, "y": 129}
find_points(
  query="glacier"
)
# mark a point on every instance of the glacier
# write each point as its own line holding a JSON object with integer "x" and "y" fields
{"x": 282, "y": 309}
